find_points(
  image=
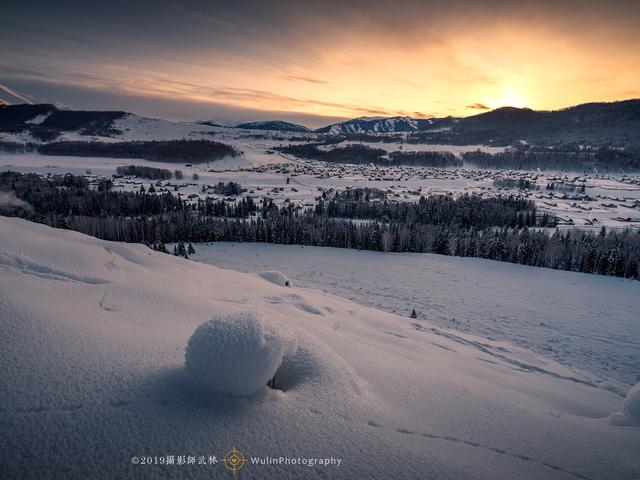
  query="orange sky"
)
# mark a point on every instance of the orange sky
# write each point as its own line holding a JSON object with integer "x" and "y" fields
{"x": 363, "y": 60}
{"x": 366, "y": 76}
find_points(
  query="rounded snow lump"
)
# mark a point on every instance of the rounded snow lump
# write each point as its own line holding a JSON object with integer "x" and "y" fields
{"x": 631, "y": 405}
{"x": 278, "y": 278}
{"x": 236, "y": 354}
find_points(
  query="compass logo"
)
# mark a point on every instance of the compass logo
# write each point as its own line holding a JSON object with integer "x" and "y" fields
{"x": 234, "y": 460}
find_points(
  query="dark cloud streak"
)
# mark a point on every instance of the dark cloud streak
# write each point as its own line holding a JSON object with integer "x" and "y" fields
{"x": 478, "y": 106}
{"x": 301, "y": 78}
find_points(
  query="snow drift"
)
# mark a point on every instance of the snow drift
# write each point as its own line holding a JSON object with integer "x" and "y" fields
{"x": 237, "y": 354}
{"x": 92, "y": 369}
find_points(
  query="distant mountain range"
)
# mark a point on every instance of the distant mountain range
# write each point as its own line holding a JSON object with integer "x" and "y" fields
{"x": 589, "y": 124}
{"x": 372, "y": 125}
{"x": 615, "y": 123}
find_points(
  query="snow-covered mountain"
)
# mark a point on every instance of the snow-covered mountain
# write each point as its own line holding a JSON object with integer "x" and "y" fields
{"x": 105, "y": 377}
{"x": 45, "y": 122}
{"x": 380, "y": 125}
{"x": 277, "y": 125}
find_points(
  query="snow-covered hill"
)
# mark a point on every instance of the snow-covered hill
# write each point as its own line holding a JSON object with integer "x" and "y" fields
{"x": 44, "y": 123}
{"x": 93, "y": 349}
{"x": 374, "y": 125}
{"x": 496, "y": 300}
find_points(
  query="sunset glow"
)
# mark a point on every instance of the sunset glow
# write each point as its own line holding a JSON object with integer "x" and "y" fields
{"x": 422, "y": 60}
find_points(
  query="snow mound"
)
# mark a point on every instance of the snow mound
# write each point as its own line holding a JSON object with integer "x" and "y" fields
{"x": 278, "y": 278}
{"x": 631, "y": 405}
{"x": 236, "y": 354}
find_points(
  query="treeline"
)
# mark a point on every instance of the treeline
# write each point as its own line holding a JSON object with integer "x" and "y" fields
{"x": 458, "y": 136}
{"x": 609, "y": 253}
{"x": 498, "y": 229}
{"x": 464, "y": 211}
{"x": 228, "y": 188}
{"x": 348, "y": 154}
{"x": 426, "y": 159}
{"x": 359, "y": 154}
{"x": 566, "y": 187}
{"x": 176, "y": 151}
{"x": 360, "y": 137}
{"x": 145, "y": 172}
{"x": 516, "y": 183}
{"x": 603, "y": 159}
{"x": 69, "y": 196}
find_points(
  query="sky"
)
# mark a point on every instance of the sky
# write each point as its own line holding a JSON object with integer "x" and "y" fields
{"x": 316, "y": 62}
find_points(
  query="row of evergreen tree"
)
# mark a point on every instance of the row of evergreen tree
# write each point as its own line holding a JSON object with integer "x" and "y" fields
{"x": 359, "y": 154}
{"x": 505, "y": 229}
{"x": 145, "y": 172}
{"x": 516, "y": 183}
{"x": 425, "y": 159}
{"x": 227, "y": 188}
{"x": 606, "y": 253}
{"x": 602, "y": 160}
{"x": 179, "y": 249}
{"x": 71, "y": 195}
{"x": 172, "y": 151}
{"x": 465, "y": 210}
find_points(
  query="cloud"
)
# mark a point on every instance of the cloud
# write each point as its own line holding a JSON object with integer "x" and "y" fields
{"x": 129, "y": 83}
{"x": 244, "y": 97}
{"x": 168, "y": 107}
{"x": 478, "y": 106}
{"x": 12, "y": 96}
{"x": 331, "y": 58}
{"x": 301, "y": 78}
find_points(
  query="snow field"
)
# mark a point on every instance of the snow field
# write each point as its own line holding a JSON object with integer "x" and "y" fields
{"x": 92, "y": 361}
{"x": 585, "y": 322}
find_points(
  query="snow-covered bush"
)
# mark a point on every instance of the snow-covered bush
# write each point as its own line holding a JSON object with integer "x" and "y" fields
{"x": 278, "y": 278}
{"x": 236, "y": 354}
{"x": 631, "y": 405}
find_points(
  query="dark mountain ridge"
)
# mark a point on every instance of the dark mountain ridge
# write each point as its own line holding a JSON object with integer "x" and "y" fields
{"x": 614, "y": 124}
